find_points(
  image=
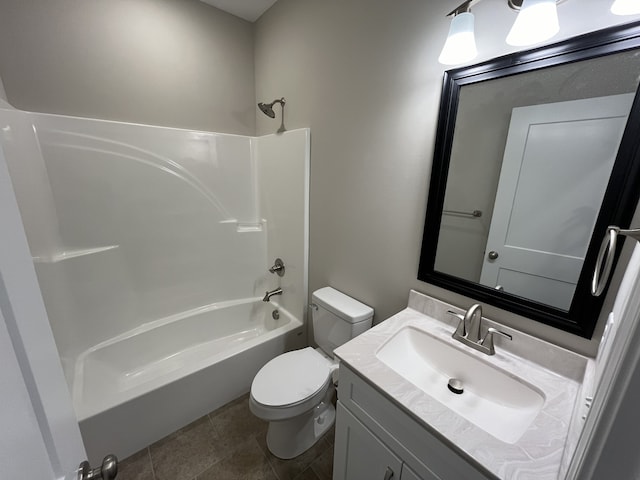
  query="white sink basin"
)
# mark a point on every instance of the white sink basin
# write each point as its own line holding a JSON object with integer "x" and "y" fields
{"x": 496, "y": 401}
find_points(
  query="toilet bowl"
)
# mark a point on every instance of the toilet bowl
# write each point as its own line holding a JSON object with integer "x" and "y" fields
{"x": 294, "y": 391}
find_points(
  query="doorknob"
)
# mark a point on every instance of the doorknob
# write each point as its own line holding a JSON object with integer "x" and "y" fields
{"x": 107, "y": 471}
{"x": 493, "y": 255}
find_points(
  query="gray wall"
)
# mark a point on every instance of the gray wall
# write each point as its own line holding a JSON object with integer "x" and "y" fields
{"x": 178, "y": 63}
{"x": 364, "y": 76}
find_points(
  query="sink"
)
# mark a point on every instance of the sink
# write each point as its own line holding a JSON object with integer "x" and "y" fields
{"x": 494, "y": 400}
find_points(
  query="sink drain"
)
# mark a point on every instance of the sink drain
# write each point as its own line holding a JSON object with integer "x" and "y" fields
{"x": 455, "y": 386}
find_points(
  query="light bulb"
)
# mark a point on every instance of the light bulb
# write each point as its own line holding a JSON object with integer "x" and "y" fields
{"x": 536, "y": 22}
{"x": 626, "y": 7}
{"x": 460, "y": 46}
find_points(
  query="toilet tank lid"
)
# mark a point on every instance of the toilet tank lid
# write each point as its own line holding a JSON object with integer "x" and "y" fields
{"x": 347, "y": 308}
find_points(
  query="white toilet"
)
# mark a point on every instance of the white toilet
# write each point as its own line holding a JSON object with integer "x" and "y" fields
{"x": 293, "y": 391}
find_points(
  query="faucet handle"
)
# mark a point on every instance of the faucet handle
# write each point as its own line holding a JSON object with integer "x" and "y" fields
{"x": 461, "y": 331}
{"x": 278, "y": 267}
{"x": 487, "y": 341}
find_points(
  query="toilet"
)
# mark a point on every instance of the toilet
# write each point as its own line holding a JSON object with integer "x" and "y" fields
{"x": 293, "y": 391}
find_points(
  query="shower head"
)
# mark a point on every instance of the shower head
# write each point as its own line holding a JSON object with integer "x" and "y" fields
{"x": 267, "y": 108}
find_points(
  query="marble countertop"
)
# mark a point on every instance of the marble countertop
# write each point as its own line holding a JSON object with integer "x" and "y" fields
{"x": 545, "y": 448}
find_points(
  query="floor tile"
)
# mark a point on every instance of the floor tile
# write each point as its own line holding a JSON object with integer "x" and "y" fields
{"x": 136, "y": 467}
{"x": 290, "y": 469}
{"x": 323, "y": 465}
{"x": 230, "y": 444}
{"x": 235, "y": 424}
{"x": 246, "y": 463}
{"x": 187, "y": 452}
{"x": 330, "y": 435}
{"x": 308, "y": 474}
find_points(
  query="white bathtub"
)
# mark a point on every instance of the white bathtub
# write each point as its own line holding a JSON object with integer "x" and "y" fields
{"x": 140, "y": 386}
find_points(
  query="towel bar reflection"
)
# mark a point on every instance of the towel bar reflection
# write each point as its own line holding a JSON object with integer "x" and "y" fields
{"x": 606, "y": 255}
{"x": 474, "y": 214}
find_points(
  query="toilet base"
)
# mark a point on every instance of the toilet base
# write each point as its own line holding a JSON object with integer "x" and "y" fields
{"x": 289, "y": 438}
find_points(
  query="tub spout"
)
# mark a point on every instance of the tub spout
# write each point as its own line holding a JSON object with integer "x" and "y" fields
{"x": 268, "y": 295}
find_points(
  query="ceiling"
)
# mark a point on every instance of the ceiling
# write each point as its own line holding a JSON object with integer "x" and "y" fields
{"x": 247, "y": 9}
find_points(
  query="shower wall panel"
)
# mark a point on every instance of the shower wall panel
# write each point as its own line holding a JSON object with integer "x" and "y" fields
{"x": 283, "y": 177}
{"x": 141, "y": 222}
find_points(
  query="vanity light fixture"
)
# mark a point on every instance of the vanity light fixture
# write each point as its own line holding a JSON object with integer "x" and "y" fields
{"x": 537, "y": 21}
{"x": 626, "y": 7}
{"x": 460, "y": 46}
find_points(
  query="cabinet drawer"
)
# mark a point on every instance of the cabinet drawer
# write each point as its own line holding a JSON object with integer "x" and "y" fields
{"x": 423, "y": 450}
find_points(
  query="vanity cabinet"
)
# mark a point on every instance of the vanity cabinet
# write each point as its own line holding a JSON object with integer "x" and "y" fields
{"x": 363, "y": 455}
{"x": 377, "y": 440}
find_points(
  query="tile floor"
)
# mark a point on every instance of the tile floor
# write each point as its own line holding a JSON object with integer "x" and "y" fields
{"x": 227, "y": 444}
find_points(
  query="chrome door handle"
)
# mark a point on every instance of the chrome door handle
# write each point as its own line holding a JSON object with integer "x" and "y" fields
{"x": 607, "y": 254}
{"x": 389, "y": 474}
{"x": 493, "y": 255}
{"x": 601, "y": 273}
{"x": 107, "y": 471}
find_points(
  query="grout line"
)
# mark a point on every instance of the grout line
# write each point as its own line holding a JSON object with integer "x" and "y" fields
{"x": 275, "y": 474}
{"x": 209, "y": 466}
{"x": 303, "y": 472}
{"x": 211, "y": 423}
{"x": 153, "y": 470}
{"x": 265, "y": 455}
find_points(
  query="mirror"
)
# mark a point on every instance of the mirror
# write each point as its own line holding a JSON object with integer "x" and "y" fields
{"x": 536, "y": 154}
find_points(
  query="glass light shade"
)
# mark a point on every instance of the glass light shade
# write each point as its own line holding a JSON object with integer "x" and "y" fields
{"x": 536, "y": 22}
{"x": 626, "y": 7}
{"x": 460, "y": 46}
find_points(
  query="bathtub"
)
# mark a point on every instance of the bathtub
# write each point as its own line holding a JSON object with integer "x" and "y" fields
{"x": 135, "y": 388}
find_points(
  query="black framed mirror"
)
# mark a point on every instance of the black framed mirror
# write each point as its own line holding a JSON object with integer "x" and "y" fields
{"x": 536, "y": 153}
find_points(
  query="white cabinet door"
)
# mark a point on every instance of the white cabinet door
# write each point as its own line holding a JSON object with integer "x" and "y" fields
{"x": 408, "y": 474}
{"x": 557, "y": 162}
{"x": 359, "y": 454}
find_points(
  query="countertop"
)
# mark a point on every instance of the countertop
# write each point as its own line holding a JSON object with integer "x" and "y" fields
{"x": 543, "y": 451}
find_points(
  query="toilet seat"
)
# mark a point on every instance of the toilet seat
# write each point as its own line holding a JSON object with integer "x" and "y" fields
{"x": 290, "y": 384}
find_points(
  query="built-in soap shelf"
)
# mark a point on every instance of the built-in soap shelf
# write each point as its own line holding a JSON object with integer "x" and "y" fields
{"x": 69, "y": 254}
{"x": 246, "y": 227}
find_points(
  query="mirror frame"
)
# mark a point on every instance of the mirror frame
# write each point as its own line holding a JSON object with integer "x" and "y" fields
{"x": 618, "y": 205}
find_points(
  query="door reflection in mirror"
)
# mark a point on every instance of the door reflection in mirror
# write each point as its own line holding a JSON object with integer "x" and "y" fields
{"x": 557, "y": 162}
{"x": 534, "y": 152}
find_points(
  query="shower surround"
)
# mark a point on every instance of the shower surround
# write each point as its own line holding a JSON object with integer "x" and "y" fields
{"x": 152, "y": 247}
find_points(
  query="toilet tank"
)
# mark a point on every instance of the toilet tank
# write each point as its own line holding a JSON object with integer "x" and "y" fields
{"x": 337, "y": 318}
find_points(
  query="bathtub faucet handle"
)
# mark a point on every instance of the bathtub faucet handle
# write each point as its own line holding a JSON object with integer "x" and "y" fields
{"x": 278, "y": 267}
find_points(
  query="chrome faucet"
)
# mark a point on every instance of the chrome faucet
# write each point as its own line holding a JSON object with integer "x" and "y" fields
{"x": 468, "y": 331}
{"x": 268, "y": 295}
{"x": 472, "y": 319}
